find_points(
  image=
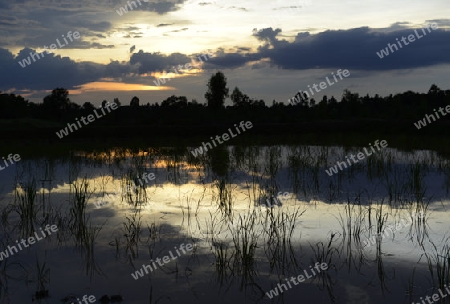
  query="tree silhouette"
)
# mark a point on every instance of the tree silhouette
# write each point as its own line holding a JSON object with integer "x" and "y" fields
{"x": 88, "y": 106}
{"x": 134, "y": 102}
{"x": 242, "y": 100}
{"x": 217, "y": 91}
{"x": 239, "y": 98}
{"x": 175, "y": 102}
{"x": 58, "y": 104}
{"x": 300, "y": 98}
{"x": 402, "y": 108}
{"x": 12, "y": 106}
{"x": 434, "y": 90}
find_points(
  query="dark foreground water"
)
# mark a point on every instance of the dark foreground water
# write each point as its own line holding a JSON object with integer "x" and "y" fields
{"x": 233, "y": 226}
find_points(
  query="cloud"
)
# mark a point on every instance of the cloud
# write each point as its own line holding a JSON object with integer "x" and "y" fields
{"x": 239, "y": 8}
{"x": 231, "y": 61}
{"x": 180, "y": 30}
{"x": 119, "y": 70}
{"x": 93, "y": 45}
{"x": 268, "y": 35}
{"x": 47, "y": 72}
{"x": 356, "y": 49}
{"x": 70, "y": 4}
{"x": 34, "y": 25}
{"x": 100, "y": 26}
{"x": 441, "y": 22}
{"x": 350, "y": 49}
{"x": 151, "y": 62}
{"x": 50, "y": 71}
{"x": 163, "y": 6}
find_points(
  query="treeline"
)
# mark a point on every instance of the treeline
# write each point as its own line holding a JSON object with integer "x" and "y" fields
{"x": 407, "y": 106}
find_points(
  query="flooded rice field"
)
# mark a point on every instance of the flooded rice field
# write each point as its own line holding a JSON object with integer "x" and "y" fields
{"x": 240, "y": 224}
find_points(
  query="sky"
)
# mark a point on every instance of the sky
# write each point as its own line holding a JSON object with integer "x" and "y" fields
{"x": 270, "y": 50}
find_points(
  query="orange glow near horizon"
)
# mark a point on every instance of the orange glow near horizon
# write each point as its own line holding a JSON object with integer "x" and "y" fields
{"x": 117, "y": 86}
{"x": 172, "y": 75}
{"x": 113, "y": 155}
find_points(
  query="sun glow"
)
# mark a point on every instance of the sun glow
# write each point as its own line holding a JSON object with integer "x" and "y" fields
{"x": 117, "y": 86}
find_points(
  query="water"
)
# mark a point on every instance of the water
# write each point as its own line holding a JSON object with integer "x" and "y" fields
{"x": 254, "y": 216}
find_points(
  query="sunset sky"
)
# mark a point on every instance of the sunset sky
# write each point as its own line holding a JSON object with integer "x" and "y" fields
{"x": 269, "y": 49}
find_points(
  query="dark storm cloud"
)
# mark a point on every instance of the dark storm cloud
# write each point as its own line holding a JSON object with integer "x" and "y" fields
{"x": 267, "y": 35}
{"x": 159, "y": 6}
{"x": 151, "y": 62}
{"x": 34, "y": 26}
{"x": 116, "y": 69}
{"x": 45, "y": 39}
{"x": 8, "y": 20}
{"x": 357, "y": 49}
{"x": 72, "y": 3}
{"x": 80, "y": 22}
{"x": 162, "y": 6}
{"x": 351, "y": 49}
{"x": 45, "y": 73}
{"x": 52, "y": 70}
{"x": 58, "y": 71}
